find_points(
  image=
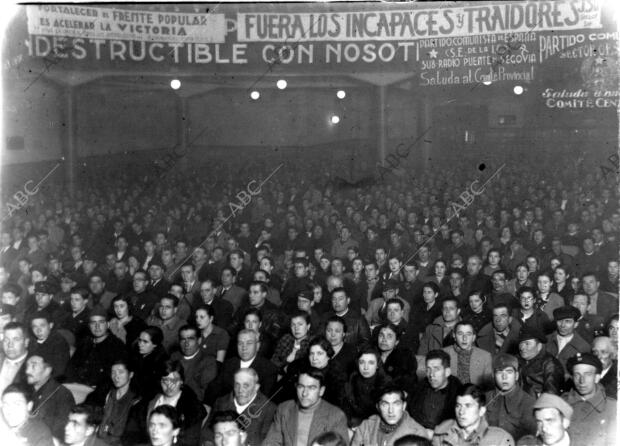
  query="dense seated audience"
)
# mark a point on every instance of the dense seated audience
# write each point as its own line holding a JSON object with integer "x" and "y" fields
{"x": 323, "y": 313}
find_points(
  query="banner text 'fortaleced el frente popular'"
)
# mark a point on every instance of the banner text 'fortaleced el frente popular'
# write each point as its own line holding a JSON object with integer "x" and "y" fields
{"x": 446, "y": 44}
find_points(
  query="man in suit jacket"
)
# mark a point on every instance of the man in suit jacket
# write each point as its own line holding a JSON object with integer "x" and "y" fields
{"x": 248, "y": 345}
{"x": 253, "y": 408}
{"x": 228, "y": 290}
{"x": 480, "y": 370}
{"x": 602, "y": 303}
{"x": 565, "y": 343}
{"x": 298, "y": 421}
{"x": 501, "y": 335}
{"x": 222, "y": 308}
{"x": 8, "y": 254}
{"x": 13, "y": 355}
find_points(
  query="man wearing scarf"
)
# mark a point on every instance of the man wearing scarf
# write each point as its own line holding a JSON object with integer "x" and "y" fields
{"x": 392, "y": 423}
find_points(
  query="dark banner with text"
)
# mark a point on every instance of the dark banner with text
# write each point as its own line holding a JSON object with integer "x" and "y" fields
{"x": 443, "y": 44}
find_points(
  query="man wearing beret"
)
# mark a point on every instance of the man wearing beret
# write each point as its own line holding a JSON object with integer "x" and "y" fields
{"x": 508, "y": 406}
{"x": 540, "y": 371}
{"x": 564, "y": 343}
{"x": 553, "y": 416}
{"x": 594, "y": 413}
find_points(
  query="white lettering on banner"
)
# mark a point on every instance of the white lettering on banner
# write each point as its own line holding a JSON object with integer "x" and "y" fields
{"x": 578, "y": 99}
{"x": 118, "y": 24}
{"x": 574, "y": 46}
{"x": 178, "y": 53}
{"x": 419, "y": 23}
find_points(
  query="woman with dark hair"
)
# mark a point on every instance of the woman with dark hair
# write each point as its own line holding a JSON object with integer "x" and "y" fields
{"x": 293, "y": 345}
{"x": 146, "y": 359}
{"x": 213, "y": 339}
{"x": 253, "y": 320}
{"x": 426, "y": 311}
{"x": 521, "y": 278}
{"x": 164, "y": 426}
{"x": 493, "y": 262}
{"x": 505, "y": 240}
{"x": 344, "y": 353}
{"x": 477, "y": 311}
{"x": 124, "y": 325}
{"x": 399, "y": 362}
{"x": 175, "y": 393}
{"x": 439, "y": 276}
{"x": 319, "y": 356}
{"x": 361, "y": 391}
{"x": 561, "y": 283}
{"x": 546, "y": 299}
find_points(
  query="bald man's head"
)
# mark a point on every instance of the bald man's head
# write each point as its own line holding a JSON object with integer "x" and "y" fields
{"x": 603, "y": 348}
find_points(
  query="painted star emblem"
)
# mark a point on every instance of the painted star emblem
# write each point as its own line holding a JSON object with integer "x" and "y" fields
{"x": 433, "y": 53}
{"x": 599, "y": 60}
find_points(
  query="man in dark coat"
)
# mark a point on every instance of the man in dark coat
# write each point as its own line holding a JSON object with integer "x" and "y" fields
{"x": 508, "y": 406}
{"x": 358, "y": 331}
{"x": 564, "y": 343}
{"x": 501, "y": 335}
{"x": 248, "y": 345}
{"x": 49, "y": 342}
{"x": 91, "y": 363}
{"x": 253, "y": 408}
{"x": 540, "y": 371}
{"x": 433, "y": 400}
{"x": 52, "y": 402}
{"x": 594, "y": 413}
{"x": 603, "y": 348}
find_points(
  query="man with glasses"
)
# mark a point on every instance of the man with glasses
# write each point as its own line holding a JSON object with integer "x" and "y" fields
{"x": 529, "y": 315}
{"x": 391, "y": 423}
{"x": 300, "y": 420}
{"x": 142, "y": 300}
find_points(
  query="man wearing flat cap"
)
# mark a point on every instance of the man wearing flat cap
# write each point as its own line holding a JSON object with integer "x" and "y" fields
{"x": 508, "y": 406}
{"x": 594, "y": 413}
{"x": 44, "y": 300}
{"x": 564, "y": 343}
{"x": 540, "y": 371}
{"x": 553, "y": 416}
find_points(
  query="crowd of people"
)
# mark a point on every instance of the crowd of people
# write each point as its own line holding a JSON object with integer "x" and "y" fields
{"x": 313, "y": 311}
